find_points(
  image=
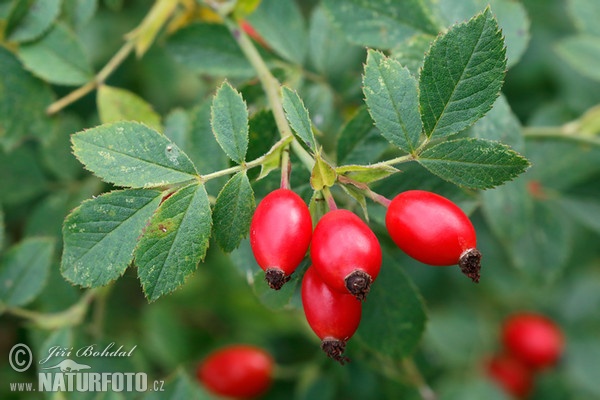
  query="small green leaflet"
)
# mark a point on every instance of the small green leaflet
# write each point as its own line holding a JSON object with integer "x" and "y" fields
{"x": 473, "y": 163}
{"x": 393, "y": 317}
{"x": 298, "y": 117}
{"x": 131, "y": 154}
{"x": 322, "y": 175}
{"x": 233, "y": 211}
{"x": 38, "y": 19}
{"x": 58, "y": 57}
{"x": 229, "y": 121}
{"x": 391, "y": 95}
{"x": 101, "y": 234}
{"x": 174, "y": 242}
{"x": 582, "y": 52}
{"x": 24, "y": 269}
{"x": 380, "y": 23}
{"x": 462, "y": 75}
{"x": 115, "y": 104}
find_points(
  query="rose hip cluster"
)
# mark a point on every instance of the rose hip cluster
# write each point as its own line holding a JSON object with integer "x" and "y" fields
{"x": 346, "y": 255}
{"x": 531, "y": 342}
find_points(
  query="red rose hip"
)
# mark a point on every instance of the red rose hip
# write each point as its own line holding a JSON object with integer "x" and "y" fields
{"x": 534, "y": 339}
{"x": 433, "y": 230}
{"x": 239, "y": 371}
{"x": 280, "y": 234}
{"x": 333, "y": 316}
{"x": 346, "y": 253}
{"x": 511, "y": 375}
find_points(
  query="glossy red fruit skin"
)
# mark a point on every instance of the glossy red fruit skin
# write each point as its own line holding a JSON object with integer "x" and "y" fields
{"x": 280, "y": 231}
{"x": 534, "y": 339}
{"x": 333, "y": 316}
{"x": 429, "y": 228}
{"x": 515, "y": 378}
{"x": 342, "y": 243}
{"x": 240, "y": 371}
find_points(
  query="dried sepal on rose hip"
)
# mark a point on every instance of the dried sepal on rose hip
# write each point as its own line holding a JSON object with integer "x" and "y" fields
{"x": 346, "y": 253}
{"x": 433, "y": 230}
{"x": 333, "y": 316}
{"x": 280, "y": 234}
{"x": 239, "y": 371}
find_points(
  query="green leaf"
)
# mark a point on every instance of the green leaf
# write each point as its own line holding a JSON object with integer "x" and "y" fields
{"x": 391, "y": 95}
{"x": 175, "y": 241}
{"x": 582, "y": 52}
{"x": 298, "y": 117}
{"x": 512, "y": 20}
{"x": 473, "y": 163}
{"x": 21, "y": 172}
{"x": 317, "y": 206}
{"x": 583, "y": 210}
{"x": 366, "y": 173}
{"x": 79, "y": 12}
{"x": 101, "y": 234}
{"x": 192, "y": 132}
{"x": 380, "y": 23}
{"x": 282, "y": 26}
{"x": 21, "y": 94}
{"x": 115, "y": 104}
{"x": 359, "y": 141}
{"x": 39, "y": 18}
{"x": 2, "y": 229}
{"x": 329, "y": 51}
{"x": 131, "y": 154}
{"x": 24, "y": 269}
{"x": 229, "y": 120}
{"x": 584, "y": 13}
{"x": 323, "y": 175}
{"x": 58, "y": 57}
{"x": 209, "y": 49}
{"x": 233, "y": 212}
{"x": 393, "y": 317}
{"x": 462, "y": 76}
{"x": 500, "y": 124}
{"x": 411, "y": 52}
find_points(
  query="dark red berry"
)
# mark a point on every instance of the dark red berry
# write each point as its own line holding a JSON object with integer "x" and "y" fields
{"x": 239, "y": 371}
{"x": 346, "y": 253}
{"x": 280, "y": 234}
{"x": 433, "y": 230}
{"x": 332, "y": 315}
{"x": 534, "y": 339}
{"x": 511, "y": 375}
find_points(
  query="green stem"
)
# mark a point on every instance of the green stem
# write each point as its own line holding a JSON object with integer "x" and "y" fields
{"x": 98, "y": 80}
{"x": 414, "y": 376}
{"x": 271, "y": 87}
{"x": 556, "y": 132}
{"x": 397, "y": 160}
{"x": 71, "y": 316}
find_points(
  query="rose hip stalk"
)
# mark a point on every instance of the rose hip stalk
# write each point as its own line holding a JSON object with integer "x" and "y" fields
{"x": 280, "y": 233}
{"x": 433, "y": 230}
{"x": 346, "y": 253}
{"x": 333, "y": 316}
